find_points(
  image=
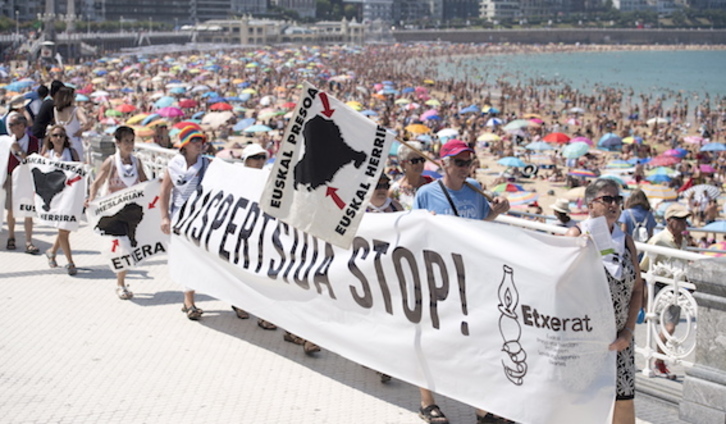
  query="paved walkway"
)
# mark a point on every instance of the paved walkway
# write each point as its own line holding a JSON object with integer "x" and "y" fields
{"x": 72, "y": 352}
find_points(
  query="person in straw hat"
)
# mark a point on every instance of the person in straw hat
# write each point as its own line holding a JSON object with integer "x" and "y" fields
{"x": 561, "y": 208}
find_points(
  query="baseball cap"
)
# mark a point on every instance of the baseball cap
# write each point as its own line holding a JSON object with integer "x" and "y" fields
{"x": 676, "y": 210}
{"x": 454, "y": 147}
{"x": 253, "y": 150}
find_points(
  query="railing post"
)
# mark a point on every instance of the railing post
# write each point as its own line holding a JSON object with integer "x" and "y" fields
{"x": 704, "y": 389}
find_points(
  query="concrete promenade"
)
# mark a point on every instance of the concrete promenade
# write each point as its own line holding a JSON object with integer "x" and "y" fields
{"x": 72, "y": 352}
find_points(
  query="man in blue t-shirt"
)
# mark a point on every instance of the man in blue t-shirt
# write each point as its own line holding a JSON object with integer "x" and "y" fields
{"x": 455, "y": 194}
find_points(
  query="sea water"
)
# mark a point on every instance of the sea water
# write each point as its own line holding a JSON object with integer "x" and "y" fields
{"x": 693, "y": 73}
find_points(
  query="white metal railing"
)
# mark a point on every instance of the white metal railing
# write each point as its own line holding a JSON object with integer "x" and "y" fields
{"x": 155, "y": 158}
{"x": 676, "y": 290}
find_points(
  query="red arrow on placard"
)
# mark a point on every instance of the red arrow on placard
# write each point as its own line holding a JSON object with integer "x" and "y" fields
{"x": 73, "y": 180}
{"x": 331, "y": 191}
{"x": 152, "y": 205}
{"x": 327, "y": 111}
{"x": 115, "y": 245}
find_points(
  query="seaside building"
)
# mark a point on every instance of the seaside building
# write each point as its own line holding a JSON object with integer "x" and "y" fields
{"x": 630, "y": 5}
{"x": 304, "y": 8}
{"x": 377, "y": 9}
{"x": 250, "y": 31}
{"x": 416, "y": 10}
{"x": 500, "y": 9}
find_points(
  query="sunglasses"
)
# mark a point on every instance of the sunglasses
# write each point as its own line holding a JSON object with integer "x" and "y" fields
{"x": 257, "y": 157}
{"x": 415, "y": 161}
{"x": 463, "y": 163}
{"x": 609, "y": 199}
{"x": 197, "y": 140}
{"x": 380, "y": 186}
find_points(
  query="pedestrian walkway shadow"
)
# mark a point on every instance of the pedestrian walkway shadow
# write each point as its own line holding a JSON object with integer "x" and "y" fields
{"x": 150, "y": 297}
{"x": 326, "y": 363}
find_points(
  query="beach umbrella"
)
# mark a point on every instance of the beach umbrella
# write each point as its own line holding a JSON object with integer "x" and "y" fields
{"x": 718, "y": 226}
{"x": 424, "y": 138}
{"x": 706, "y": 168}
{"x": 165, "y": 101}
{"x": 538, "y": 145}
{"x": 493, "y": 122}
{"x": 432, "y": 102}
{"x": 657, "y": 121}
{"x": 418, "y": 129}
{"x": 221, "y": 106}
{"x": 241, "y": 125}
{"x": 429, "y": 113}
{"x": 508, "y": 187}
{"x": 693, "y": 139}
{"x": 257, "y": 128}
{"x": 713, "y": 147}
{"x": 557, "y": 137}
{"x": 198, "y": 115}
{"x": 610, "y": 141}
{"x": 573, "y": 121}
{"x": 633, "y": 140}
{"x": 188, "y": 103}
{"x": 712, "y": 191}
{"x": 515, "y": 125}
{"x": 150, "y": 118}
{"x": 470, "y": 109}
{"x": 679, "y": 153}
{"x": 618, "y": 164}
{"x": 113, "y": 113}
{"x": 535, "y": 122}
{"x": 125, "y": 108}
{"x": 81, "y": 98}
{"x": 448, "y": 132}
{"x": 659, "y": 178}
{"x": 488, "y": 137}
{"x": 136, "y": 119}
{"x": 716, "y": 247}
{"x": 170, "y": 112}
{"x": 157, "y": 122}
{"x": 401, "y": 101}
{"x": 522, "y": 198}
{"x": 657, "y": 191}
{"x": 664, "y": 160}
{"x": 369, "y": 112}
{"x": 183, "y": 124}
{"x": 216, "y": 119}
{"x": 661, "y": 170}
{"x": 584, "y": 173}
{"x": 178, "y": 90}
{"x": 575, "y": 150}
{"x": 576, "y": 110}
{"x": 511, "y": 161}
{"x": 582, "y": 139}
{"x": 100, "y": 93}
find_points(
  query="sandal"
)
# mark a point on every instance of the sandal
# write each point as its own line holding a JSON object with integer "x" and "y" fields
{"x": 51, "y": 259}
{"x": 193, "y": 313}
{"x": 240, "y": 313}
{"x": 490, "y": 418}
{"x": 31, "y": 249}
{"x": 309, "y": 347}
{"x": 266, "y": 325}
{"x": 432, "y": 414}
{"x": 289, "y": 337}
{"x": 123, "y": 293}
{"x": 72, "y": 269}
{"x": 11, "y": 244}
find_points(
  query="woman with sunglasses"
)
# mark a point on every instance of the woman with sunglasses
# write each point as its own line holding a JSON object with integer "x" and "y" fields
{"x": 626, "y": 288}
{"x": 412, "y": 165}
{"x": 58, "y": 146}
{"x": 181, "y": 179}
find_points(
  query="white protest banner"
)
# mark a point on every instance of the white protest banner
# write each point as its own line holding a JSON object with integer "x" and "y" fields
{"x": 130, "y": 224}
{"x": 60, "y": 189}
{"x": 512, "y": 321}
{"x": 23, "y": 192}
{"x": 5, "y": 143}
{"x": 326, "y": 169}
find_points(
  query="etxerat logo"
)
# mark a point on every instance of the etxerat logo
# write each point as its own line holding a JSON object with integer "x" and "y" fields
{"x": 515, "y": 365}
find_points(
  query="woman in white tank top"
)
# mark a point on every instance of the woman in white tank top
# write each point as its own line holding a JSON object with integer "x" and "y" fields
{"x": 71, "y": 118}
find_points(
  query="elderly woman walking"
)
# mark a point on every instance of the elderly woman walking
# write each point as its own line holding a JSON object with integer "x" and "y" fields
{"x": 626, "y": 289}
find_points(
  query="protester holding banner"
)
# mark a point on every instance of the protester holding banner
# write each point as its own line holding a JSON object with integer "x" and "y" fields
{"x": 181, "y": 178}
{"x": 380, "y": 202}
{"x": 58, "y": 146}
{"x": 122, "y": 170}
{"x": 619, "y": 258}
{"x": 456, "y": 194}
{"x": 412, "y": 165}
{"x": 23, "y": 145}
{"x": 72, "y": 118}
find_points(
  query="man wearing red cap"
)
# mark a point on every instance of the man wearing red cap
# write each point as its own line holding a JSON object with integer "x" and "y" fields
{"x": 455, "y": 194}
